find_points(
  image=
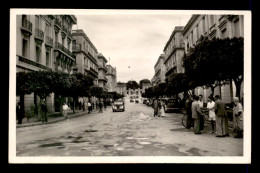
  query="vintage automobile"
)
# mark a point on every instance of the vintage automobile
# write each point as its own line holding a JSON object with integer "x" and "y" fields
{"x": 144, "y": 101}
{"x": 172, "y": 105}
{"x": 131, "y": 100}
{"x": 118, "y": 106}
{"x": 136, "y": 101}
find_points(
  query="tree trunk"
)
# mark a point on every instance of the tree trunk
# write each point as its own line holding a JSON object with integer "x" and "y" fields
{"x": 212, "y": 89}
{"x": 74, "y": 100}
{"x": 238, "y": 87}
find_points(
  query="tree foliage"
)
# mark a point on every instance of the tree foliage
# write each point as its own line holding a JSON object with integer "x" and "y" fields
{"x": 141, "y": 82}
{"x": 132, "y": 84}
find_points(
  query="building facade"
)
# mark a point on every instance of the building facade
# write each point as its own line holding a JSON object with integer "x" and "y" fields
{"x": 112, "y": 78}
{"x": 102, "y": 70}
{"x": 86, "y": 55}
{"x": 121, "y": 88}
{"x": 159, "y": 69}
{"x": 43, "y": 42}
{"x": 214, "y": 26}
{"x": 174, "y": 52}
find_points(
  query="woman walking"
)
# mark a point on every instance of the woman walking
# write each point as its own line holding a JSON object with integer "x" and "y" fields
{"x": 212, "y": 115}
{"x": 64, "y": 110}
{"x": 238, "y": 118}
{"x": 162, "y": 109}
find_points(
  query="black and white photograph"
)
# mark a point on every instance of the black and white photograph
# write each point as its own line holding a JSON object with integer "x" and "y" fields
{"x": 129, "y": 86}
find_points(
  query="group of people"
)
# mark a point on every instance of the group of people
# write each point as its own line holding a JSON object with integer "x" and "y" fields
{"x": 90, "y": 106}
{"x": 215, "y": 112}
{"x": 159, "y": 107}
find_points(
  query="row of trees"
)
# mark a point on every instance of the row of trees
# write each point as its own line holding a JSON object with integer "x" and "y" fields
{"x": 43, "y": 83}
{"x": 209, "y": 64}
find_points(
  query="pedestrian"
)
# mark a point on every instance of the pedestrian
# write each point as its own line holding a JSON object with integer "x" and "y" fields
{"x": 221, "y": 118}
{"x": 64, "y": 111}
{"x": 89, "y": 107}
{"x": 196, "y": 114}
{"x": 155, "y": 107}
{"x": 238, "y": 118}
{"x": 162, "y": 109}
{"x": 188, "y": 103}
{"x": 44, "y": 111}
{"x": 212, "y": 115}
{"x": 19, "y": 113}
{"x": 80, "y": 104}
{"x": 100, "y": 107}
{"x": 201, "y": 103}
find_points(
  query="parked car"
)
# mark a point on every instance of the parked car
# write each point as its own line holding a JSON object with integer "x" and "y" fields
{"x": 172, "y": 105}
{"x": 118, "y": 106}
{"x": 131, "y": 100}
{"x": 144, "y": 101}
{"x": 136, "y": 101}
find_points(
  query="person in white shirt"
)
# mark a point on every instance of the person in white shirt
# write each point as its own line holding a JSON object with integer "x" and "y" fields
{"x": 212, "y": 115}
{"x": 64, "y": 111}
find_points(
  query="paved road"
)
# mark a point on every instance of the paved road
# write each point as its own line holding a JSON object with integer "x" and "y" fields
{"x": 134, "y": 132}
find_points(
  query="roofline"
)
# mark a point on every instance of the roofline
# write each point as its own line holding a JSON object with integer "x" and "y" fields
{"x": 84, "y": 35}
{"x": 190, "y": 22}
{"x": 172, "y": 34}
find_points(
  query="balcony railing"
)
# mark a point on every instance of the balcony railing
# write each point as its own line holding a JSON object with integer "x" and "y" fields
{"x": 30, "y": 62}
{"x": 39, "y": 34}
{"x": 57, "y": 22}
{"x": 49, "y": 41}
{"x": 60, "y": 47}
{"x": 27, "y": 25}
{"x": 93, "y": 70}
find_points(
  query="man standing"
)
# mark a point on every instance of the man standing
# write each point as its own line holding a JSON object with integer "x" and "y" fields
{"x": 196, "y": 113}
{"x": 100, "y": 107}
{"x": 221, "y": 118}
{"x": 188, "y": 103}
{"x": 155, "y": 107}
{"x": 89, "y": 107}
{"x": 64, "y": 110}
{"x": 44, "y": 112}
{"x": 201, "y": 117}
{"x": 19, "y": 113}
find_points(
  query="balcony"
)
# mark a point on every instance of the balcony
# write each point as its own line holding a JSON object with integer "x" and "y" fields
{"x": 103, "y": 79}
{"x": 212, "y": 31}
{"x": 103, "y": 67}
{"x": 76, "y": 47}
{"x": 222, "y": 22}
{"x": 63, "y": 49}
{"x": 26, "y": 26}
{"x": 30, "y": 62}
{"x": 39, "y": 35}
{"x": 57, "y": 24}
{"x": 48, "y": 41}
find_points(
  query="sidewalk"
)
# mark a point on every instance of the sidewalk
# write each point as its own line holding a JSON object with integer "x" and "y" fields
{"x": 34, "y": 120}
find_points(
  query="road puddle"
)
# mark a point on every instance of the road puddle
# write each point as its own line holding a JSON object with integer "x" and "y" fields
{"x": 51, "y": 145}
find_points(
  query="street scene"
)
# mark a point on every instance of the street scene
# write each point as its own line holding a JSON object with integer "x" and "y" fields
{"x": 135, "y": 132}
{"x": 129, "y": 84}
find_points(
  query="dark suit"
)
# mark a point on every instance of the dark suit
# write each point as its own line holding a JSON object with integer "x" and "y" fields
{"x": 221, "y": 118}
{"x": 196, "y": 114}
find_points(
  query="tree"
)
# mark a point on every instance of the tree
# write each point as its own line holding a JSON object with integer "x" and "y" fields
{"x": 96, "y": 91}
{"x": 22, "y": 86}
{"x": 144, "y": 81}
{"x": 215, "y": 62}
{"x": 132, "y": 85}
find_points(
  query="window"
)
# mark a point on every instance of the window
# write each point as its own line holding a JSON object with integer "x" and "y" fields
{"x": 38, "y": 54}
{"x": 37, "y": 22}
{"x": 224, "y": 34}
{"x": 197, "y": 32}
{"x": 25, "y": 48}
{"x": 47, "y": 59}
{"x": 48, "y": 30}
{"x": 191, "y": 37}
{"x": 63, "y": 41}
{"x": 56, "y": 37}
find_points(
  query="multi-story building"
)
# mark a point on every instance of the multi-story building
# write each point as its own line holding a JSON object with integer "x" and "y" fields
{"x": 213, "y": 26}
{"x": 43, "y": 42}
{"x": 159, "y": 69}
{"x": 112, "y": 78}
{"x": 86, "y": 55}
{"x": 121, "y": 88}
{"x": 174, "y": 52}
{"x": 145, "y": 86}
{"x": 134, "y": 93}
{"x": 102, "y": 70}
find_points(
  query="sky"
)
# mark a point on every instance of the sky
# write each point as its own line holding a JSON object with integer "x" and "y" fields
{"x": 133, "y": 42}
